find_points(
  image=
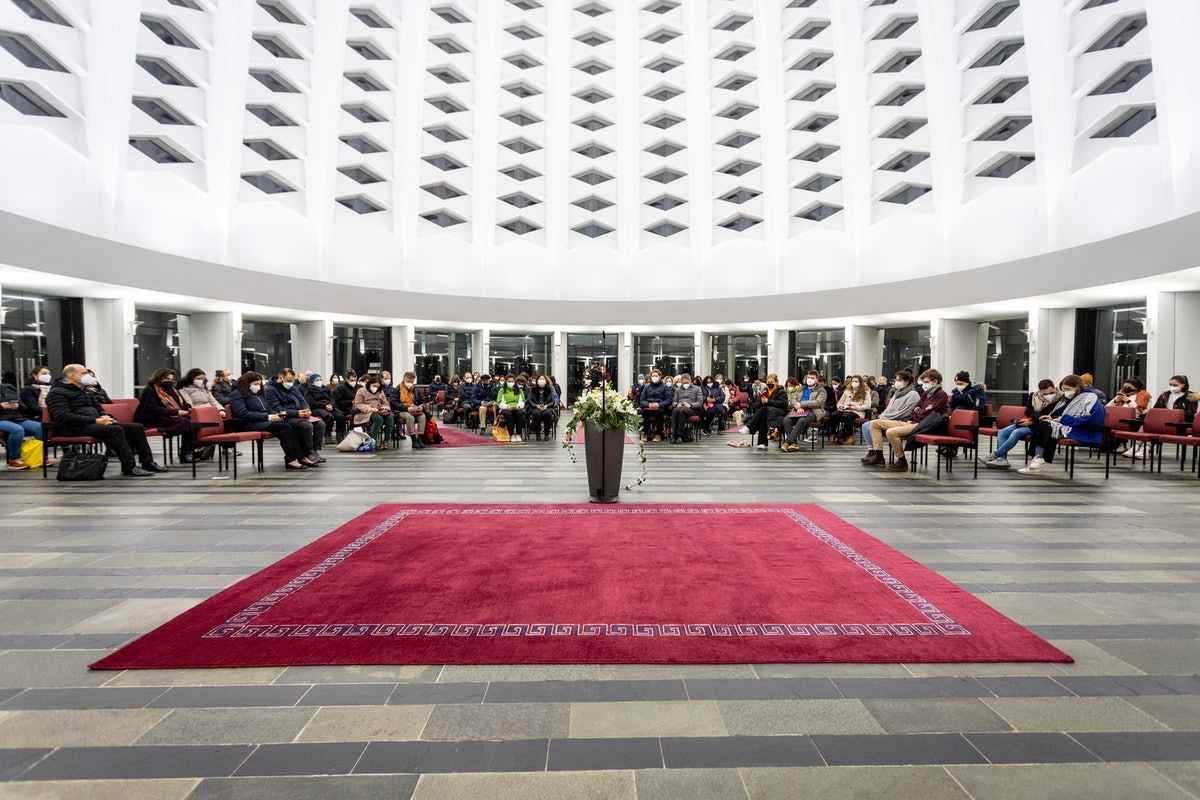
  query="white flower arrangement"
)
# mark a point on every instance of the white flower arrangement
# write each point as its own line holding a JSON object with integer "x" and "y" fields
{"x": 607, "y": 409}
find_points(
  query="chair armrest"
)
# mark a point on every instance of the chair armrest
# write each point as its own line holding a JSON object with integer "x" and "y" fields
{"x": 196, "y": 425}
{"x": 1133, "y": 423}
{"x": 1182, "y": 427}
{"x": 988, "y": 422}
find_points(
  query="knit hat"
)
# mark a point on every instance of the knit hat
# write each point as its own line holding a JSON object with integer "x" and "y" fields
{"x": 963, "y": 376}
{"x": 316, "y": 376}
{"x": 640, "y": 375}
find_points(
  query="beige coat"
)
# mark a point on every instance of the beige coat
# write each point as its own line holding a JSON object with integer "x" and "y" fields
{"x": 366, "y": 404}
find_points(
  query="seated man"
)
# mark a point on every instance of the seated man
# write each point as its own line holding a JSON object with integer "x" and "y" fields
{"x": 283, "y": 395}
{"x": 772, "y": 408}
{"x": 410, "y": 410}
{"x": 78, "y": 412}
{"x": 903, "y": 401}
{"x": 933, "y": 401}
{"x": 688, "y": 402}
{"x": 655, "y": 402}
{"x": 485, "y": 398}
{"x": 807, "y": 406}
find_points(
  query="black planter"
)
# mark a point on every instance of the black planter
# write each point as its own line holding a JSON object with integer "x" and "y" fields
{"x": 605, "y": 453}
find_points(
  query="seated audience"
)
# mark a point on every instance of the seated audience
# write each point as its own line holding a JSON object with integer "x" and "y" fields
{"x": 1040, "y": 402}
{"x": 249, "y": 404}
{"x": 655, "y": 403}
{"x": 688, "y": 401}
{"x": 161, "y": 406}
{"x": 33, "y": 394}
{"x": 16, "y": 425}
{"x": 1087, "y": 381}
{"x": 854, "y": 404}
{"x": 806, "y": 406}
{"x": 899, "y": 410}
{"x": 1179, "y": 395}
{"x": 543, "y": 406}
{"x": 510, "y": 406}
{"x": 410, "y": 409}
{"x": 772, "y": 408}
{"x": 485, "y": 399}
{"x": 715, "y": 408}
{"x": 344, "y": 393}
{"x": 371, "y": 407}
{"x": 449, "y": 406}
{"x": 1133, "y": 395}
{"x": 966, "y": 395}
{"x": 436, "y": 385}
{"x": 1078, "y": 415}
{"x": 222, "y": 386}
{"x": 194, "y": 389}
{"x": 284, "y": 396}
{"x": 97, "y": 389}
{"x": 80, "y": 414}
{"x": 322, "y": 406}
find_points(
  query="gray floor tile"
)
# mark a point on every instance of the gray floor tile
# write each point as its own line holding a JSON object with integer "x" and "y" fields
{"x": 653, "y": 718}
{"x": 77, "y": 728}
{"x": 501, "y": 721}
{"x": 342, "y": 787}
{"x": 694, "y": 784}
{"x": 429, "y": 757}
{"x": 594, "y": 691}
{"x": 354, "y": 694}
{"x": 1032, "y": 686}
{"x": 792, "y": 717}
{"x": 228, "y": 696}
{"x": 1066, "y": 780}
{"x": 84, "y": 698}
{"x": 104, "y": 763}
{"x": 307, "y": 758}
{"x": 366, "y": 724}
{"x": 911, "y": 688}
{"x": 1142, "y": 745}
{"x": 1185, "y": 774}
{"x": 1178, "y": 713}
{"x": 1126, "y": 685}
{"x": 1029, "y": 748}
{"x": 876, "y": 783}
{"x": 943, "y": 715}
{"x": 529, "y": 786}
{"x": 762, "y": 689}
{"x": 228, "y": 726}
{"x": 604, "y": 754}
{"x": 437, "y": 693}
{"x": 144, "y": 789}
{"x": 1072, "y": 714}
{"x": 913, "y": 748}
{"x": 15, "y": 761}
{"x": 740, "y": 751}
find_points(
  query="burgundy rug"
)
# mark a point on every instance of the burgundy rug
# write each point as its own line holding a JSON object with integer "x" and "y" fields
{"x": 521, "y": 584}
{"x": 460, "y": 437}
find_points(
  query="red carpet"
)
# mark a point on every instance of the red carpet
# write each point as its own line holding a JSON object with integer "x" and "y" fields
{"x": 436, "y": 584}
{"x": 461, "y": 437}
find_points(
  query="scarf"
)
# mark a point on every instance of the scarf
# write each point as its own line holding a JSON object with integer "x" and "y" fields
{"x": 167, "y": 398}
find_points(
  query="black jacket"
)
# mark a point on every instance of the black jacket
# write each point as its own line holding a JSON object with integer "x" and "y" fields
{"x": 72, "y": 407}
{"x": 343, "y": 397}
{"x": 9, "y": 394}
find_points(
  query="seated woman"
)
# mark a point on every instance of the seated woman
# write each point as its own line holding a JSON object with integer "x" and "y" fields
{"x": 1133, "y": 395}
{"x": 714, "y": 405}
{"x": 543, "y": 406}
{"x": 194, "y": 389}
{"x": 1040, "y": 402}
{"x": 1179, "y": 395}
{"x": 16, "y": 425}
{"x": 1079, "y": 415}
{"x": 33, "y": 394}
{"x": 655, "y": 403}
{"x": 371, "y": 407}
{"x": 248, "y": 404}
{"x": 322, "y": 406}
{"x": 510, "y": 406}
{"x": 807, "y": 407}
{"x": 772, "y": 408}
{"x": 449, "y": 405}
{"x": 161, "y": 406}
{"x": 687, "y": 402}
{"x": 854, "y": 404}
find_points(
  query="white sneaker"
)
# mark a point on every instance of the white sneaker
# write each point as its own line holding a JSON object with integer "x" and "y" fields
{"x": 996, "y": 463}
{"x": 761, "y": 447}
{"x": 516, "y": 438}
{"x": 744, "y": 430}
{"x": 987, "y": 458}
{"x": 1035, "y": 466}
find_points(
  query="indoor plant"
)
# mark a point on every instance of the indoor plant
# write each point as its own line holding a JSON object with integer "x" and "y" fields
{"x": 606, "y": 416}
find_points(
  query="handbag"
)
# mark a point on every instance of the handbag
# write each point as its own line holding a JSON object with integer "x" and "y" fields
{"x": 499, "y": 433}
{"x": 76, "y": 466}
{"x": 31, "y": 453}
{"x": 354, "y": 441}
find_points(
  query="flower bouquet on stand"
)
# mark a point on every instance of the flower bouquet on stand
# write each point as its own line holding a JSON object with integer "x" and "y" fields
{"x": 606, "y": 416}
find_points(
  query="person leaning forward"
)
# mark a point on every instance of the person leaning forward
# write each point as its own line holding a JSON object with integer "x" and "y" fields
{"x": 80, "y": 414}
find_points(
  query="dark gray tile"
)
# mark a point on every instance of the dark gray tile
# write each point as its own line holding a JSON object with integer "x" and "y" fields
{"x": 1096, "y": 632}
{"x": 148, "y": 761}
{"x": 437, "y": 693}
{"x": 115, "y": 697}
{"x": 739, "y": 751}
{"x": 97, "y": 641}
{"x": 229, "y": 696}
{"x": 348, "y": 694}
{"x": 895, "y": 749}
{"x": 763, "y": 689}
{"x": 31, "y": 641}
{"x": 15, "y": 760}
{"x": 305, "y": 758}
{"x": 1029, "y": 748}
{"x": 578, "y": 754}
{"x": 527, "y": 755}
{"x": 879, "y": 688}
{"x": 1142, "y": 745}
{"x": 584, "y": 691}
{"x": 342, "y": 787}
{"x": 1128, "y": 685}
{"x": 1025, "y": 686}
{"x": 7, "y": 693}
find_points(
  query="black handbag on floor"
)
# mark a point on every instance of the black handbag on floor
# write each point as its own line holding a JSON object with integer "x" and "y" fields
{"x": 74, "y": 466}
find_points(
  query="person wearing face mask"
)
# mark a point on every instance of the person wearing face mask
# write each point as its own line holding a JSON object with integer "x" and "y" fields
{"x": 772, "y": 408}
{"x": 317, "y": 396}
{"x": 33, "y": 394}
{"x": 934, "y": 401}
{"x": 16, "y": 425}
{"x": 967, "y": 396}
{"x": 247, "y": 402}
{"x": 1078, "y": 415}
{"x": 543, "y": 406}
{"x": 283, "y": 395}
{"x": 635, "y": 390}
{"x": 1133, "y": 395}
{"x": 510, "y": 407}
{"x": 436, "y": 385}
{"x": 1040, "y": 402}
{"x": 449, "y": 403}
{"x": 806, "y": 406}
{"x": 79, "y": 414}
{"x": 410, "y": 409}
{"x": 161, "y": 406}
{"x": 688, "y": 402}
{"x": 854, "y": 404}
{"x": 467, "y": 404}
{"x": 193, "y": 388}
{"x": 342, "y": 396}
{"x": 904, "y": 399}
{"x": 558, "y": 391}
{"x": 485, "y": 396}
{"x": 95, "y": 388}
{"x": 371, "y": 407}
{"x": 655, "y": 403}
{"x": 714, "y": 405}
{"x": 221, "y": 386}
{"x": 1179, "y": 395}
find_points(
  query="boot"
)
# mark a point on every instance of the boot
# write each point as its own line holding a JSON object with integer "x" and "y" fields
{"x": 873, "y": 459}
{"x": 417, "y": 444}
{"x": 899, "y": 465}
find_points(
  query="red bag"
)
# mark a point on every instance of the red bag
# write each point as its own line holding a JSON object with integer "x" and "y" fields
{"x": 431, "y": 431}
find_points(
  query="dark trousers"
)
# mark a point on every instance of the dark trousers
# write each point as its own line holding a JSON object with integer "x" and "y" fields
{"x": 762, "y": 421}
{"x": 679, "y": 421}
{"x": 795, "y": 427}
{"x": 510, "y": 418}
{"x": 712, "y": 413}
{"x": 1043, "y": 437}
{"x": 653, "y": 420}
{"x": 123, "y": 439}
{"x": 542, "y": 420}
{"x": 842, "y": 422}
{"x": 286, "y": 434}
{"x": 309, "y": 432}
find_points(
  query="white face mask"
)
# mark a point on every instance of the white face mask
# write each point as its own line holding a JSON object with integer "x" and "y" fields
{"x": 510, "y": 384}
{"x": 199, "y": 383}
{"x": 288, "y": 384}
{"x": 926, "y": 385}
{"x": 1069, "y": 393}
{"x": 810, "y": 381}
{"x": 255, "y": 388}
{"x": 372, "y": 389}
{"x": 387, "y": 381}
{"x": 44, "y": 377}
{"x": 1051, "y": 396}
{"x": 854, "y": 384}
{"x": 318, "y": 384}
{"x": 467, "y": 380}
{"x": 685, "y": 384}
{"x": 641, "y": 381}
{"x": 541, "y": 383}
{"x": 408, "y": 385}
{"x": 962, "y": 387}
{"x": 898, "y": 385}
{"x": 90, "y": 380}
{"x": 1176, "y": 390}
{"x": 654, "y": 379}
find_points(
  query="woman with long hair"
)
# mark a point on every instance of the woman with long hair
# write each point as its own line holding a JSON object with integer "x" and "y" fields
{"x": 161, "y": 406}
{"x": 248, "y": 404}
{"x": 853, "y": 405}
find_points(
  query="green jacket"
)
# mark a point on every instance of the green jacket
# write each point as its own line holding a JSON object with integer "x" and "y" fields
{"x": 510, "y": 397}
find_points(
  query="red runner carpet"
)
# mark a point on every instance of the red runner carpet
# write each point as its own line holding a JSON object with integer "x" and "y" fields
{"x": 458, "y": 437}
{"x": 495, "y": 584}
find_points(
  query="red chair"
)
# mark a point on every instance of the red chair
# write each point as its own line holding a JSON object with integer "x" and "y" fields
{"x": 209, "y": 429}
{"x": 50, "y": 440}
{"x": 123, "y": 410}
{"x": 1155, "y": 424}
{"x": 1006, "y": 417}
{"x": 962, "y": 431}
{"x": 1113, "y": 417}
{"x": 235, "y": 425}
{"x": 1188, "y": 435}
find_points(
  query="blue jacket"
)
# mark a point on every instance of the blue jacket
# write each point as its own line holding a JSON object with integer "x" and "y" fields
{"x": 655, "y": 393}
{"x": 485, "y": 392}
{"x": 280, "y": 399}
{"x": 254, "y": 410}
{"x": 973, "y": 398}
{"x": 1087, "y": 427}
{"x": 715, "y": 394}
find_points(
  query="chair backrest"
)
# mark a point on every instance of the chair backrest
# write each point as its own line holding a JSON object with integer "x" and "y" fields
{"x": 960, "y": 421}
{"x": 1113, "y": 415}
{"x": 121, "y": 412}
{"x": 207, "y": 414}
{"x": 1007, "y": 415}
{"x": 125, "y": 400}
{"x": 1156, "y": 420}
{"x": 987, "y": 410}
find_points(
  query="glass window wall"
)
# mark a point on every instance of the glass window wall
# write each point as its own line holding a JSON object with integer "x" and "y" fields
{"x": 366, "y": 350}
{"x": 823, "y": 351}
{"x": 441, "y": 353}
{"x": 737, "y": 355}
{"x": 155, "y": 345}
{"x": 905, "y": 347}
{"x": 1006, "y": 373}
{"x": 582, "y": 350}
{"x": 23, "y": 345}
{"x": 266, "y": 347}
{"x": 671, "y": 355}
{"x": 514, "y": 354}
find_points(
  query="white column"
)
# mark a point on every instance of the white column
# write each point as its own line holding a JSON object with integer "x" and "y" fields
{"x": 481, "y": 350}
{"x": 864, "y": 350}
{"x": 108, "y": 342}
{"x": 1051, "y": 344}
{"x": 212, "y": 342}
{"x": 704, "y": 354}
{"x": 403, "y": 358}
{"x": 777, "y": 341}
{"x": 559, "y": 357}
{"x": 1172, "y": 326}
{"x": 954, "y": 347}
{"x": 625, "y": 360}
{"x": 312, "y": 349}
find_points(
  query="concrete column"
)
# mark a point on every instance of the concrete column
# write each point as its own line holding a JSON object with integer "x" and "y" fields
{"x": 777, "y": 343}
{"x": 312, "y": 349}
{"x": 211, "y": 342}
{"x": 481, "y": 350}
{"x": 625, "y": 367}
{"x": 1172, "y": 326}
{"x": 1051, "y": 344}
{"x": 559, "y": 359}
{"x": 108, "y": 342}
{"x": 703, "y": 353}
{"x": 864, "y": 350}
{"x": 954, "y": 347}
{"x": 403, "y": 357}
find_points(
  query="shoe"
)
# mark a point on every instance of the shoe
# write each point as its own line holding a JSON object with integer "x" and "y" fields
{"x": 744, "y": 430}
{"x": 481, "y": 433}
{"x": 138, "y": 472}
{"x": 298, "y": 467}
{"x": 1036, "y": 465}
{"x": 899, "y": 465}
{"x": 997, "y": 463}
{"x": 658, "y": 438}
{"x": 788, "y": 447}
{"x": 381, "y": 446}
{"x": 873, "y": 459}
{"x": 516, "y": 439}
{"x": 687, "y": 439}
{"x": 309, "y": 464}
{"x": 187, "y": 458}
{"x": 320, "y": 459}
{"x": 417, "y": 444}
{"x": 812, "y": 438}
{"x": 17, "y": 463}
{"x": 645, "y": 438}
{"x": 154, "y": 467}
{"x": 761, "y": 447}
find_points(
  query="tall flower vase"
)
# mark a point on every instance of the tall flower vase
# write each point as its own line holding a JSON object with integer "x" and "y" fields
{"x": 605, "y": 453}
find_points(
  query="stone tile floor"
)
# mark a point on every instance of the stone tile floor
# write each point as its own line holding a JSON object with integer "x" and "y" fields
{"x": 1108, "y": 571}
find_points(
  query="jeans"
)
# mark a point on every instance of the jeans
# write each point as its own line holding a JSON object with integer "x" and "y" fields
{"x": 1008, "y": 437}
{"x": 16, "y": 434}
